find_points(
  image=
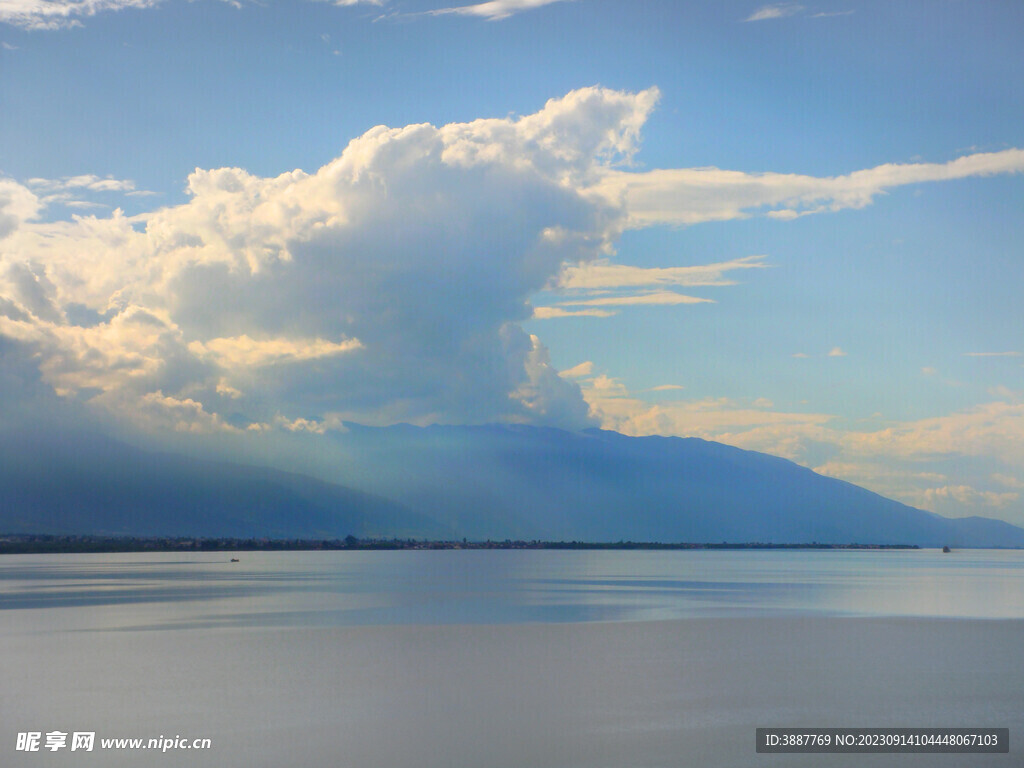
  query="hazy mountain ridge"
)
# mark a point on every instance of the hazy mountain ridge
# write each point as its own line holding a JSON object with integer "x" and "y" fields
{"x": 604, "y": 486}
{"x": 78, "y": 483}
{"x": 453, "y": 481}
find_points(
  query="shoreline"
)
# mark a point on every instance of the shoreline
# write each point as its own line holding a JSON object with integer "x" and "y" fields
{"x": 39, "y": 544}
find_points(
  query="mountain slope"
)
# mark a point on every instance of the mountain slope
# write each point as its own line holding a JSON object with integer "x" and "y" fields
{"x": 77, "y": 483}
{"x": 528, "y": 482}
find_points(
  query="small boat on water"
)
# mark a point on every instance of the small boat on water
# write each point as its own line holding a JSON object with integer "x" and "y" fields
{"x": 234, "y": 559}
{"x": 946, "y": 550}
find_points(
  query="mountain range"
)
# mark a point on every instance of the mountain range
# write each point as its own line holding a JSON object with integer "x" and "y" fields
{"x": 479, "y": 482}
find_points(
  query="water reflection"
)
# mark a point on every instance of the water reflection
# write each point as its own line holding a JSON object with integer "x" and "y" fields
{"x": 281, "y": 589}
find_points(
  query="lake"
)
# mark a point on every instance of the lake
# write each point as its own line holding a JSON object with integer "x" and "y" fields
{"x": 596, "y": 659}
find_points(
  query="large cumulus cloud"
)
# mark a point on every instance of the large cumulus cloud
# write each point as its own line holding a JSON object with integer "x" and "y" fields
{"x": 387, "y": 286}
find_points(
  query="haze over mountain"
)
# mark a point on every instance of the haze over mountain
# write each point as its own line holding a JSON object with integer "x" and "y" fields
{"x": 598, "y": 485}
{"x": 483, "y": 482}
{"x": 80, "y": 483}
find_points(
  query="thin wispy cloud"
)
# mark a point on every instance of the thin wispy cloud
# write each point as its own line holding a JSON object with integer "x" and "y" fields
{"x": 964, "y": 496}
{"x": 69, "y": 190}
{"x": 992, "y": 354}
{"x": 605, "y": 275}
{"x": 834, "y": 352}
{"x": 245, "y": 352}
{"x": 88, "y": 182}
{"x": 659, "y": 297}
{"x": 602, "y": 283}
{"x": 548, "y": 313}
{"x": 586, "y": 368}
{"x": 829, "y": 14}
{"x": 1007, "y": 481}
{"x": 62, "y": 14}
{"x": 776, "y": 11}
{"x": 783, "y": 10}
{"x": 78, "y": 204}
{"x": 495, "y": 10}
{"x": 685, "y": 196}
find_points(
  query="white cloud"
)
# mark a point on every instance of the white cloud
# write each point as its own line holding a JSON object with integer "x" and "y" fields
{"x": 60, "y": 14}
{"x": 138, "y": 351}
{"x": 17, "y": 205}
{"x": 68, "y": 191}
{"x": 658, "y": 297}
{"x": 745, "y": 425}
{"x": 1007, "y": 481}
{"x": 604, "y": 275}
{"x": 782, "y": 10}
{"x": 242, "y": 351}
{"x": 422, "y": 243}
{"x": 776, "y": 11}
{"x": 895, "y": 460}
{"x": 687, "y": 196}
{"x": 495, "y": 10}
{"x": 90, "y": 182}
{"x": 583, "y": 369}
{"x": 834, "y": 352}
{"x": 547, "y": 396}
{"x": 349, "y": 3}
{"x": 606, "y": 386}
{"x": 72, "y": 203}
{"x": 869, "y": 475}
{"x": 561, "y": 141}
{"x": 993, "y": 429}
{"x": 155, "y": 409}
{"x": 830, "y": 14}
{"x": 902, "y": 460}
{"x": 225, "y": 389}
{"x": 547, "y": 313}
{"x": 987, "y": 435}
{"x": 992, "y": 354}
{"x": 602, "y": 283}
{"x": 331, "y": 422}
{"x": 56, "y": 14}
{"x": 964, "y": 496}
{"x": 667, "y": 387}
{"x": 720, "y": 419}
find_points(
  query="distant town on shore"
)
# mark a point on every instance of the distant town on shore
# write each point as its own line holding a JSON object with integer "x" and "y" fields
{"x": 45, "y": 544}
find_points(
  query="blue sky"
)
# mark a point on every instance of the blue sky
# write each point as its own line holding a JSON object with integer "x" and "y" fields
{"x": 790, "y": 227}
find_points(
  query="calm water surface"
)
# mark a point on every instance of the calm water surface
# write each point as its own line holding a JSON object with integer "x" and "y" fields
{"x": 170, "y": 590}
{"x": 504, "y": 659}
